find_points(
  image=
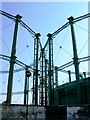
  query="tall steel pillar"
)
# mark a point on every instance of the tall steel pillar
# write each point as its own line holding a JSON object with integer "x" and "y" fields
{"x": 26, "y": 87}
{"x": 50, "y": 70}
{"x": 35, "y": 74}
{"x": 12, "y": 61}
{"x": 76, "y": 62}
{"x": 56, "y": 76}
{"x": 26, "y": 90}
{"x": 89, "y": 37}
{"x": 42, "y": 78}
{"x": 46, "y": 79}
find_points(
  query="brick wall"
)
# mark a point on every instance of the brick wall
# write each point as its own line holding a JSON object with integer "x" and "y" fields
{"x": 18, "y": 112}
{"x": 11, "y": 112}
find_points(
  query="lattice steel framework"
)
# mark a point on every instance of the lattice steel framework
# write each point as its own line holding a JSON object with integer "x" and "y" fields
{"x": 43, "y": 77}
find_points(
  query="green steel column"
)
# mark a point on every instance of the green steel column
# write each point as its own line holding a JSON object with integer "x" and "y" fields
{"x": 49, "y": 71}
{"x": 12, "y": 61}
{"x": 42, "y": 80}
{"x": 76, "y": 63}
{"x": 50, "y": 74}
{"x": 46, "y": 73}
{"x": 56, "y": 76}
{"x": 34, "y": 73}
{"x": 25, "y": 87}
{"x": 36, "y": 81}
{"x": 27, "y": 90}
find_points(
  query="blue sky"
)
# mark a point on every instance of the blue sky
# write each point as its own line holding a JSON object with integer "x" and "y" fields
{"x": 43, "y": 18}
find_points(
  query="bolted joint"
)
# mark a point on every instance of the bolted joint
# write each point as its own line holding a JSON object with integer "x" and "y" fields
{"x": 71, "y": 19}
{"x": 76, "y": 59}
{"x": 36, "y": 72}
{"x": 38, "y": 35}
{"x": 51, "y": 72}
{"x": 46, "y": 60}
{"x": 13, "y": 58}
{"x": 69, "y": 71}
{"x": 18, "y": 16}
{"x": 56, "y": 68}
{"x": 49, "y": 35}
{"x": 42, "y": 50}
{"x": 28, "y": 73}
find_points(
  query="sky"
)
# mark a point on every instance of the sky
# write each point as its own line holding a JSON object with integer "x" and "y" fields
{"x": 43, "y": 18}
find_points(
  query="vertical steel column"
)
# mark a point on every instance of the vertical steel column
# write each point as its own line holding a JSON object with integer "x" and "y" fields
{"x": 27, "y": 91}
{"x": 42, "y": 82}
{"x": 76, "y": 63}
{"x": 50, "y": 71}
{"x": 28, "y": 74}
{"x": 25, "y": 87}
{"x": 46, "y": 76}
{"x": 56, "y": 76}
{"x": 42, "y": 78}
{"x": 35, "y": 75}
{"x": 89, "y": 38}
{"x": 69, "y": 73}
{"x": 12, "y": 61}
{"x": 34, "y": 72}
{"x": 40, "y": 86}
